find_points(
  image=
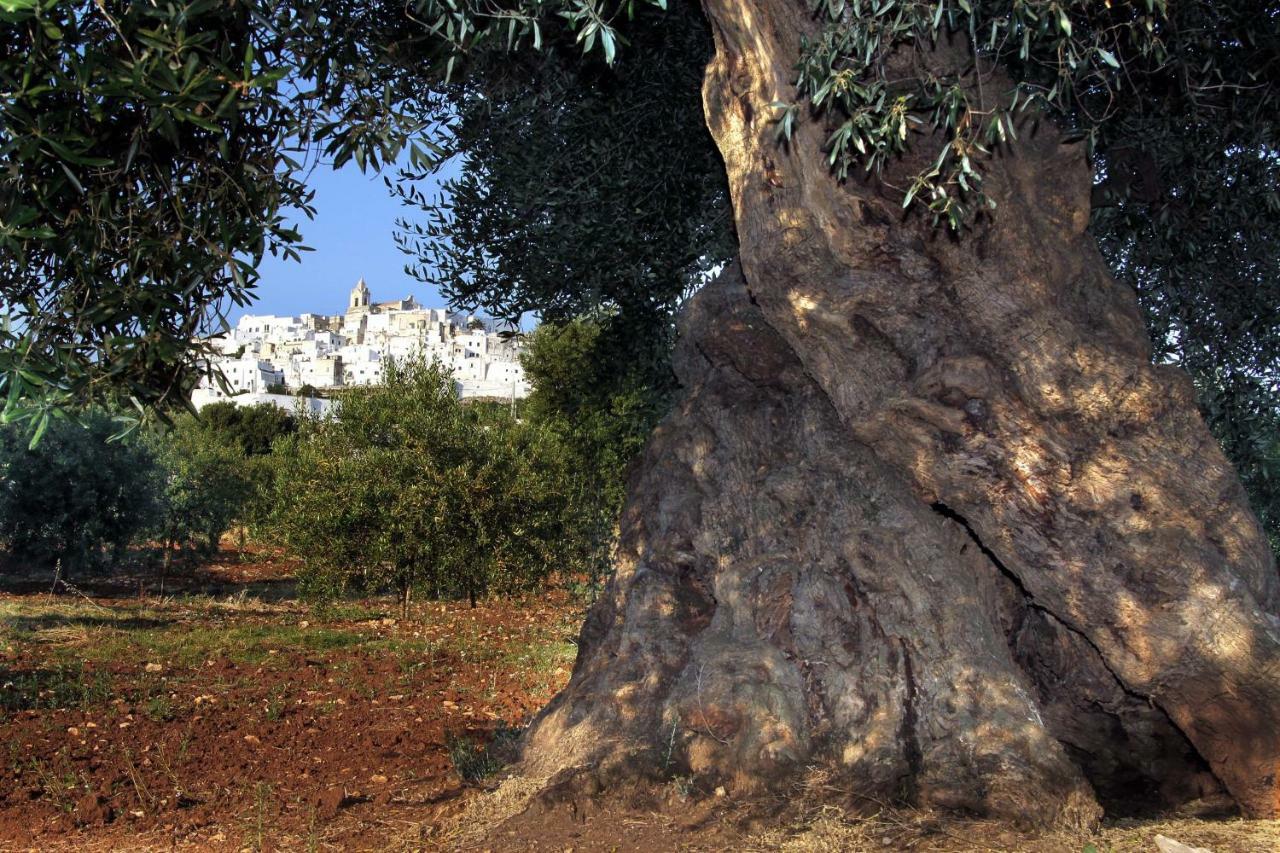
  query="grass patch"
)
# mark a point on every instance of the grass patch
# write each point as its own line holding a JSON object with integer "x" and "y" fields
{"x": 159, "y": 708}
{"x": 259, "y": 819}
{"x": 57, "y": 783}
{"x": 71, "y": 635}
{"x": 240, "y": 643}
{"x": 542, "y": 658}
{"x": 62, "y": 686}
{"x": 537, "y": 662}
{"x": 276, "y": 703}
{"x": 349, "y": 611}
{"x": 475, "y": 760}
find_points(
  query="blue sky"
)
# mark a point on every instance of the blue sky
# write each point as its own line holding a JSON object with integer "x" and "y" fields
{"x": 351, "y": 235}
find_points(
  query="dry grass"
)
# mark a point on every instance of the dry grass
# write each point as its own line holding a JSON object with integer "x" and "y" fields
{"x": 1220, "y": 836}
{"x": 481, "y": 814}
{"x": 829, "y": 831}
{"x": 483, "y": 825}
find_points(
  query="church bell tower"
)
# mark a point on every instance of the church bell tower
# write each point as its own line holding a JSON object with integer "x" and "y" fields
{"x": 359, "y": 296}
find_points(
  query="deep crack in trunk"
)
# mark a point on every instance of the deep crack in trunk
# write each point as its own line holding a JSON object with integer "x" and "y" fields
{"x": 1191, "y": 778}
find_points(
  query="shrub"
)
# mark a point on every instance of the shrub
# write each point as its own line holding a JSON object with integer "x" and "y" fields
{"x": 474, "y": 760}
{"x": 254, "y": 428}
{"x": 81, "y": 496}
{"x": 205, "y": 485}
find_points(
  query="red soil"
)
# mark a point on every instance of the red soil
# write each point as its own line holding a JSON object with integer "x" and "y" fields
{"x": 341, "y": 747}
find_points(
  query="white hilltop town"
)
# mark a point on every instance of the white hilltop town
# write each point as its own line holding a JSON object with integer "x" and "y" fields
{"x": 269, "y": 358}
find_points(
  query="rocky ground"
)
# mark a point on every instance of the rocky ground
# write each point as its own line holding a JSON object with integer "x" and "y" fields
{"x": 228, "y": 715}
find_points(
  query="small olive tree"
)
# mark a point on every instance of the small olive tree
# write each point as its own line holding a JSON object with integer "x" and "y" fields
{"x": 205, "y": 486}
{"x": 407, "y": 488}
{"x": 79, "y": 497}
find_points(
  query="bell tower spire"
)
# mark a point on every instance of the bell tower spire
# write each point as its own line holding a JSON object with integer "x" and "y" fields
{"x": 359, "y": 295}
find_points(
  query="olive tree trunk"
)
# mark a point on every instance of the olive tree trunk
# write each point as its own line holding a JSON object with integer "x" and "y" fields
{"x": 926, "y": 523}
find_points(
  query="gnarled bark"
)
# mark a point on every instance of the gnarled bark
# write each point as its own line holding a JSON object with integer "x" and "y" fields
{"x": 926, "y": 522}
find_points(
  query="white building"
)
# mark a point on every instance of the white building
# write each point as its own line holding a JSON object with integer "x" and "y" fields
{"x": 265, "y": 352}
{"x": 247, "y": 374}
